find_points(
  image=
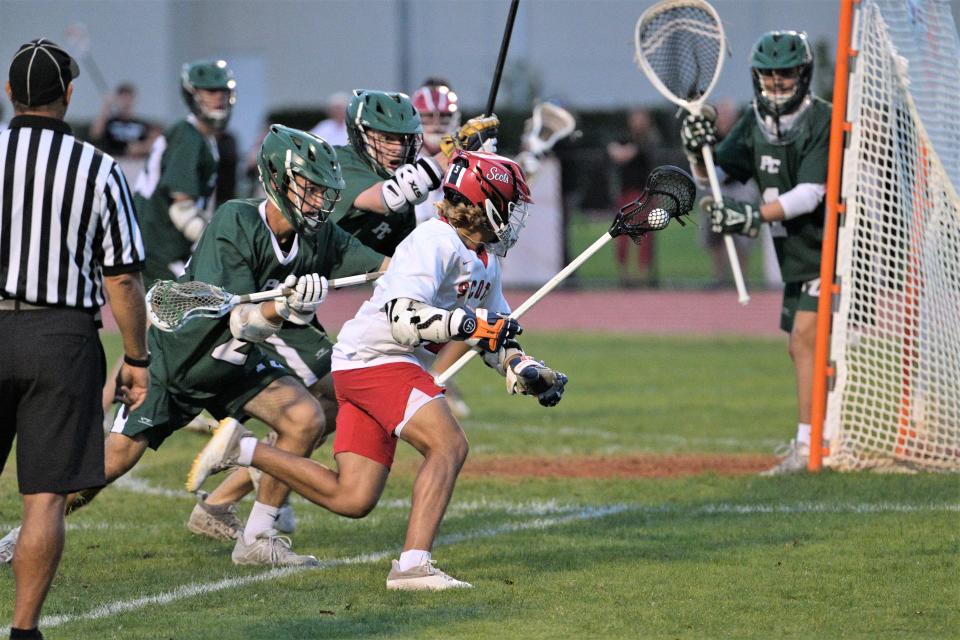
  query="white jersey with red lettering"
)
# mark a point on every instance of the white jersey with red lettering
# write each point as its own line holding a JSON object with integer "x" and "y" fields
{"x": 433, "y": 266}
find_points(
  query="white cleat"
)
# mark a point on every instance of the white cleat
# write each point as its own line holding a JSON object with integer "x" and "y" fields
{"x": 220, "y": 454}
{"x": 424, "y": 577}
{"x": 795, "y": 458}
{"x": 270, "y": 549}
{"x": 8, "y": 544}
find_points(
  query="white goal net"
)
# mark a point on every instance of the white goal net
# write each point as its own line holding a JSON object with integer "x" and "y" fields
{"x": 895, "y": 344}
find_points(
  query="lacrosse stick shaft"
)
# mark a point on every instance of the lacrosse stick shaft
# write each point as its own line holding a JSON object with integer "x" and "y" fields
{"x": 502, "y": 57}
{"x": 529, "y": 302}
{"x": 742, "y": 294}
{"x": 335, "y": 283}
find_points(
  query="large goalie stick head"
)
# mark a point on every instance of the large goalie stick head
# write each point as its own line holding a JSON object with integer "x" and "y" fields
{"x": 669, "y": 193}
{"x": 680, "y": 46}
{"x": 171, "y": 305}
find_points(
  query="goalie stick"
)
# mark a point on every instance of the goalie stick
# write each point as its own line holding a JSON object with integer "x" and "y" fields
{"x": 171, "y": 304}
{"x": 679, "y": 47}
{"x": 669, "y": 193}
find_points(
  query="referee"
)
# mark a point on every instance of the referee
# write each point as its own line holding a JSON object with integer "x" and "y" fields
{"x": 68, "y": 234}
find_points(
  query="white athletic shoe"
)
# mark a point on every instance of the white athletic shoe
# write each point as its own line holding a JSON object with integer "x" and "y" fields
{"x": 219, "y": 454}
{"x": 202, "y": 424}
{"x": 424, "y": 577}
{"x": 286, "y": 519}
{"x": 795, "y": 458}
{"x": 8, "y": 544}
{"x": 270, "y": 548}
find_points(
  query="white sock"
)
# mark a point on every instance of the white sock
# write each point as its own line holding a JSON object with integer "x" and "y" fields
{"x": 262, "y": 517}
{"x": 803, "y": 433}
{"x": 413, "y": 558}
{"x": 247, "y": 445}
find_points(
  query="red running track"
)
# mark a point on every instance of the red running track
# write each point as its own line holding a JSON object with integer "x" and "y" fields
{"x": 697, "y": 313}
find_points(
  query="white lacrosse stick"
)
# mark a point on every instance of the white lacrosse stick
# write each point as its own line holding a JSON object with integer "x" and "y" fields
{"x": 171, "y": 304}
{"x": 549, "y": 124}
{"x": 680, "y": 46}
{"x": 669, "y": 193}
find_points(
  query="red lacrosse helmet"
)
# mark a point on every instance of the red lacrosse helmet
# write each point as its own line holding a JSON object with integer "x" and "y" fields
{"x": 496, "y": 185}
{"x": 439, "y": 111}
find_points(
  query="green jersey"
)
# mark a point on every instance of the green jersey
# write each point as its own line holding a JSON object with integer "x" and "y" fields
{"x": 378, "y": 231}
{"x": 746, "y": 153}
{"x": 240, "y": 253}
{"x": 182, "y": 160}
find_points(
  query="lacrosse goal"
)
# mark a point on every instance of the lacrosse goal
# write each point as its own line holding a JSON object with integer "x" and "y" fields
{"x": 887, "y": 390}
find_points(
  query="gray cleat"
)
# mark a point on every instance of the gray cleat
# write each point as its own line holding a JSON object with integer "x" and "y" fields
{"x": 8, "y": 544}
{"x": 272, "y": 549}
{"x": 424, "y": 577}
{"x": 219, "y": 522}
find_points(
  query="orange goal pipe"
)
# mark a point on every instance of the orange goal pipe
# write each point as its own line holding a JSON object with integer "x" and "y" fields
{"x": 838, "y": 128}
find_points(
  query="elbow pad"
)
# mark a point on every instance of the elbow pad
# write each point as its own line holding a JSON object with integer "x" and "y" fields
{"x": 248, "y": 323}
{"x": 188, "y": 219}
{"x": 802, "y": 199}
{"x": 413, "y": 322}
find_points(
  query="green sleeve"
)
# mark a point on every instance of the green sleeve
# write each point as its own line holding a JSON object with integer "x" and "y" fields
{"x": 734, "y": 154}
{"x": 815, "y": 156}
{"x": 358, "y": 176}
{"x": 224, "y": 256}
{"x": 181, "y": 163}
{"x": 350, "y": 256}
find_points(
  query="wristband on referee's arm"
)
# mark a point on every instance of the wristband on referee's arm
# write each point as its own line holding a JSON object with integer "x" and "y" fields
{"x": 136, "y": 362}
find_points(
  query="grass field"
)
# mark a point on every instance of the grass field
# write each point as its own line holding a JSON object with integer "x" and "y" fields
{"x": 708, "y": 556}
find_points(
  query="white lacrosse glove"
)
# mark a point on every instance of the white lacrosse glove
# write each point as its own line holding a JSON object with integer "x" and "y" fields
{"x": 533, "y": 378}
{"x": 699, "y": 131}
{"x": 307, "y": 293}
{"x": 411, "y": 184}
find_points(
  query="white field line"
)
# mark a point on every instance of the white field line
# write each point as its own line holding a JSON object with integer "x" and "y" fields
{"x": 192, "y": 590}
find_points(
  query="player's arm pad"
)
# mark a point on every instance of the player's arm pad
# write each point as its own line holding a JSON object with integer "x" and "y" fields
{"x": 248, "y": 323}
{"x": 413, "y": 322}
{"x": 187, "y": 218}
{"x": 802, "y": 199}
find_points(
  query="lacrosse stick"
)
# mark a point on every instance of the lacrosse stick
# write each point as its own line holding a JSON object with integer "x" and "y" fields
{"x": 172, "y": 304}
{"x": 78, "y": 37}
{"x": 679, "y": 47}
{"x": 502, "y": 56}
{"x": 669, "y": 193}
{"x": 548, "y": 125}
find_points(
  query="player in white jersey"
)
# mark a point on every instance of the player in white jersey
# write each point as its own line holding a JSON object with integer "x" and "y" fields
{"x": 443, "y": 284}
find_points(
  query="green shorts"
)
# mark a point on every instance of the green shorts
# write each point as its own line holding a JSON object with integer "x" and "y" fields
{"x": 798, "y": 296}
{"x": 304, "y": 350}
{"x": 166, "y": 409}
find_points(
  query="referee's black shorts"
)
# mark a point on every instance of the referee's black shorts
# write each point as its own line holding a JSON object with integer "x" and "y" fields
{"x": 52, "y": 370}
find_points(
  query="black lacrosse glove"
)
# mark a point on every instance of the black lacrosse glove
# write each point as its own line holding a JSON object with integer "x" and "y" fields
{"x": 732, "y": 217}
{"x": 533, "y": 378}
{"x": 697, "y": 131}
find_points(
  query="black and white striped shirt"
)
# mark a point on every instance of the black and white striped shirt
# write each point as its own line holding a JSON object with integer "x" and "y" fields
{"x": 66, "y": 217}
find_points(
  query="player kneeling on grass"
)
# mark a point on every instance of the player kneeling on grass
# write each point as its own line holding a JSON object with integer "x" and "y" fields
{"x": 218, "y": 364}
{"x": 443, "y": 284}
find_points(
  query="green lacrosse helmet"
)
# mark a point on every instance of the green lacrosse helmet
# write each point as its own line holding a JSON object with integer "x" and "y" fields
{"x": 390, "y": 113}
{"x": 286, "y": 153}
{"x": 212, "y": 75}
{"x": 783, "y": 52}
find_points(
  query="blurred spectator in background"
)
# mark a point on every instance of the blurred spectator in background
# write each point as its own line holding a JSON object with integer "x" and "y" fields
{"x": 727, "y": 114}
{"x": 117, "y": 130}
{"x": 251, "y": 171}
{"x": 334, "y": 128}
{"x": 227, "y": 167}
{"x": 633, "y": 156}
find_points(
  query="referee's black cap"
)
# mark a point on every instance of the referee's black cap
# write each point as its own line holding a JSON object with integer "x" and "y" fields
{"x": 40, "y": 72}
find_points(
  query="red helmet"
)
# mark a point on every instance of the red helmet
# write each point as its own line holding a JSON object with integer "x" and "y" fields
{"x": 439, "y": 111}
{"x": 496, "y": 185}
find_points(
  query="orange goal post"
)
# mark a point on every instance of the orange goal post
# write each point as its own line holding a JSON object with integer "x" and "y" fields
{"x": 887, "y": 379}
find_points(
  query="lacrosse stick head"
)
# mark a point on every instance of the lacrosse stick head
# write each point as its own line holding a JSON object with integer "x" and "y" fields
{"x": 679, "y": 47}
{"x": 549, "y": 124}
{"x": 170, "y": 305}
{"x": 669, "y": 193}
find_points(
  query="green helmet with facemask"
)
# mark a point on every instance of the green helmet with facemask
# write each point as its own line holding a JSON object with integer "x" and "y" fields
{"x": 781, "y": 52}
{"x": 212, "y": 75}
{"x": 287, "y": 153}
{"x": 391, "y": 113}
